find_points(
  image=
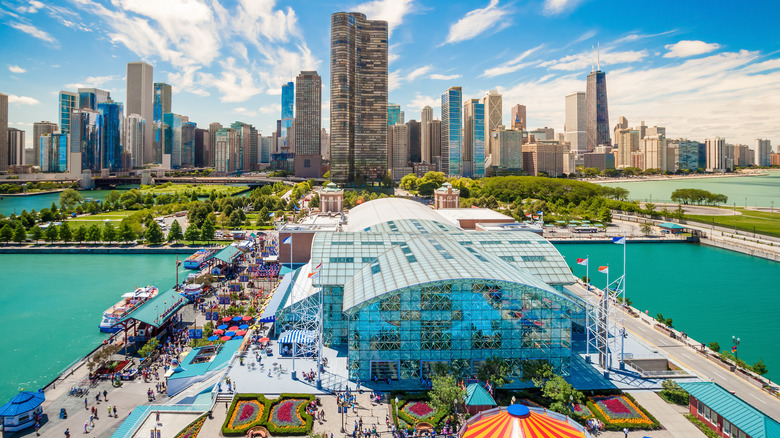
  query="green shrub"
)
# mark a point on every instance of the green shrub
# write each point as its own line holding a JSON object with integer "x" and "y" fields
{"x": 703, "y": 427}
{"x": 672, "y": 393}
{"x": 403, "y": 399}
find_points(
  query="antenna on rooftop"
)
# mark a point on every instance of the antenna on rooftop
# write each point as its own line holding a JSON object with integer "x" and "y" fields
{"x": 592, "y": 59}
{"x": 598, "y": 56}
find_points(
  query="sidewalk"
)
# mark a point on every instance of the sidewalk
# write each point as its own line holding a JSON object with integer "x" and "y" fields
{"x": 670, "y": 416}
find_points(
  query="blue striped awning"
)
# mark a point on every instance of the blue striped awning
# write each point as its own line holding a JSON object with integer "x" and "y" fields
{"x": 297, "y": 337}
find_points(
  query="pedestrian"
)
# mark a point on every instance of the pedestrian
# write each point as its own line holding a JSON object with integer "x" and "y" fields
{"x": 625, "y": 432}
{"x": 86, "y": 427}
{"x": 115, "y": 412}
{"x": 109, "y": 410}
{"x": 227, "y": 405}
{"x": 67, "y": 433}
{"x": 105, "y": 395}
{"x": 85, "y": 403}
{"x": 92, "y": 420}
{"x": 37, "y": 426}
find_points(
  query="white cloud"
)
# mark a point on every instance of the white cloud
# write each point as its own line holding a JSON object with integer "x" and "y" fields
{"x": 420, "y": 101}
{"x": 392, "y": 53}
{"x": 31, "y": 8}
{"x": 583, "y": 60}
{"x": 35, "y": 32}
{"x": 16, "y": 69}
{"x": 93, "y": 82}
{"x": 440, "y": 77}
{"x": 513, "y": 65}
{"x": 416, "y": 73}
{"x": 555, "y": 7}
{"x": 393, "y": 80}
{"x": 492, "y": 17}
{"x": 245, "y": 112}
{"x": 22, "y": 100}
{"x": 686, "y": 48}
{"x": 274, "y": 108}
{"x": 392, "y": 11}
{"x": 237, "y": 84}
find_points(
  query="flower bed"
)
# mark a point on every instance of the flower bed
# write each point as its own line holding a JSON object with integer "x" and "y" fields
{"x": 419, "y": 410}
{"x": 416, "y": 408}
{"x": 288, "y": 415}
{"x": 582, "y": 410}
{"x": 192, "y": 430}
{"x": 247, "y": 411}
{"x": 619, "y": 411}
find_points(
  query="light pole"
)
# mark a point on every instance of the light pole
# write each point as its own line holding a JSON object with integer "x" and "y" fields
{"x": 735, "y": 340}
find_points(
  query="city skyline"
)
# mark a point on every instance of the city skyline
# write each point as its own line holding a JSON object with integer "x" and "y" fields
{"x": 688, "y": 73}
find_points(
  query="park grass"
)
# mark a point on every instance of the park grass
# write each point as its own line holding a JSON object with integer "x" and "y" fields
{"x": 201, "y": 189}
{"x": 759, "y": 221}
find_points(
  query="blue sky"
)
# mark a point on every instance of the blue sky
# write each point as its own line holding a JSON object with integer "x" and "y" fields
{"x": 700, "y": 68}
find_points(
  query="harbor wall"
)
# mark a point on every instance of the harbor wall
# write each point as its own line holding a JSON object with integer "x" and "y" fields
{"x": 742, "y": 249}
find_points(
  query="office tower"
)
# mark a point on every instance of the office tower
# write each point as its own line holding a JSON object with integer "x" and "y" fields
{"x": 308, "y": 124}
{"x": 162, "y": 103}
{"x": 762, "y": 150}
{"x": 628, "y": 143}
{"x": 325, "y": 144}
{"x": 434, "y": 142}
{"x": 288, "y": 103}
{"x": 622, "y": 124}
{"x": 596, "y": 110}
{"x": 474, "y": 139}
{"x": 53, "y": 152}
{"x": 140, "y": 100}
{"x": 518, "y": 120}
{"x": 89, "y": 98}
{"x": 201, "y": 147}
{"x": 687, "y": 155}
{"x": 654, "y": 130}
{"x": 547, "y": 134}
{"x": 716, "y": 154}
{"x": 414, "y": 140}
{"x": 544, "y": 157}
{"x": 224, "y": 151}
{"x": 266, "y": 146}
{"x": 3, "y": 132}
{"x": 743, "y": 155}
{"x": 494, "y": 116}
{"x": 68, "y": 102}
{"x": 394, "y": 114}
{"x": 575, "y": 125}
{"x": 507, "y": 147}
{"x": 110, "y": 134}
{"x": 188, "y": 144}
{"x": 214, "y": 127}
{"x": 132, "y": 139}
{"x": 400, "y": 148}
{"x": 39, "y": 130}
{"x": 654, "y": 149}
{"x": 15, "y": 147}
{"x": 84, "y": 150}
{"x": 358, "y": 98}
{"x": 171, "y": 141}
{"x": 244, "y": 152}
{"x": 451, "y": 132}
{"x": 425, "y": 145}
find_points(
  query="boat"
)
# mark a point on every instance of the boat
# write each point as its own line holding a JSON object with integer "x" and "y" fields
{"x": 128, "y": 302}
{"x": 196, "y": 260}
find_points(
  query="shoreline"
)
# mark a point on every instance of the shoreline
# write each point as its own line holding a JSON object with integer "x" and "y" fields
{"x": 116, "y": 249}
{"x": 22, "y": 195}
{"x": 670, "y": 177}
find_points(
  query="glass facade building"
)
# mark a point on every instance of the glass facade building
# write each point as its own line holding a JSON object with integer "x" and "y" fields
{"x": 451, "y": 132}
{"x": 596, "y": 111}
{"x": 53, "y": 150}
{"x": 288, "y": 104}
{"x": 89, "y": 98}
{"x": 188, "y": 144}
{"x": 161, "y": 105}
{"x": 110, "y": 134}
{"x": 474, "y": 139}
{"x": 688, "y": 153}
{"x": 85, "y": 138}
{"x": 172, "y": 139}
{"x": 68, "y": 102}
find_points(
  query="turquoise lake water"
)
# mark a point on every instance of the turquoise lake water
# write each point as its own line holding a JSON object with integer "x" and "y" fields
{"x": 52, "y": 304}
{"x": 759, "y": 191}
{"x": 710, "y": 293}
{"x": 15, "y": 204}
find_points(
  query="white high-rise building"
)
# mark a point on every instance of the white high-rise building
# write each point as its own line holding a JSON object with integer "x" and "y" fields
{"x": 425, "y": 142}
{"x": 762, "y": 150}
{"x": 574, "y": 126}
{"x": 140, "y": 100}
{"x": 133, "y": 139}
{"x": 494, "y": 114}
{"x": 716, "y": 154}
{"x": 654, "y": 150}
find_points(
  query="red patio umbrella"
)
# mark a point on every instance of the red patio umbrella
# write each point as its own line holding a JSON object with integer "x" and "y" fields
{"x": 264, "y": 340}
{"x": 227, "y": 318}
{"x": 234, "y": 328}
{"x": 225, "y": 338}
{"x": 218, "y": 332}
{"x": 241, "y": 333}
{"x": 247, "y": 318}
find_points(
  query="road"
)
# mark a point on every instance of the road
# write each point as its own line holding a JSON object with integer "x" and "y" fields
{"x": 689, "y": 357}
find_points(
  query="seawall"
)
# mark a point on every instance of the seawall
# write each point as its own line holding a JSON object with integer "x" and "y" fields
{"x": 742, "y": 249}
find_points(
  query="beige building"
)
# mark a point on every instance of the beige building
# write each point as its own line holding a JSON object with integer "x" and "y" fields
{"x": 399, "y": 149}
{"x": 446, "y": 197}
{"x": 654, "y": 150}
{"x": 425, "y": 140}
{"x": 544, "y": 156}
{"x": 331, "y": 199}
{"x": 494, "y": 115}
{"x": 507, "y": 147}
{"x": 628, "y": 143}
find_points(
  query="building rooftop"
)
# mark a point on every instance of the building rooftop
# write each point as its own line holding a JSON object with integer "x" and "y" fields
{"x": 158, "y": 309}
{"x": 375, "y": 212}
{"x": 455, "y": 215}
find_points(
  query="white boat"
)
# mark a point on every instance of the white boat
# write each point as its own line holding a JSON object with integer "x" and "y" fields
{"x": 128, "y": 302}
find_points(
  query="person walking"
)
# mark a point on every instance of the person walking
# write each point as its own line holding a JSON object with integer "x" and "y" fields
{"x": 115, "y": 412}
{"x": 625, "y": 432}
{"x": 109, "y": 410}
{"x": 105, "y": 395}
{"x": 86, "y": 427}
{"x": 85, "y": 403}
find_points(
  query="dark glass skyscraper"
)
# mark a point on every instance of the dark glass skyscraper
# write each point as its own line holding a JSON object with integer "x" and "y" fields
{"x": 358, "y": 98}
{"x": 162, "y": 105}
{"x": 288, "y": 104}
{"x": 308, "y": 117}
{"x": 452, "y": 132}
{"x": 597, "y": 111}
{"x": 110, "y": 133}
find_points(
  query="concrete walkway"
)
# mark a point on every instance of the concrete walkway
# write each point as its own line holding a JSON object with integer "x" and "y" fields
{"x": 670, "y": 416}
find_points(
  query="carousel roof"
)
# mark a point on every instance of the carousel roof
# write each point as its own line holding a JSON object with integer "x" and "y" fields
{"x": 517, "y": 421}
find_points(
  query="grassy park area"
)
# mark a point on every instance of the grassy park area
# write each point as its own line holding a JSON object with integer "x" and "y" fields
{"x": 200, "y": 189}
{"x": 761, "y": 222}
{"x": 99, "y": 218}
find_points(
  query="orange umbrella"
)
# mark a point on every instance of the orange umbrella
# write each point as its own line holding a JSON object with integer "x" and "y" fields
{"x": 517, "y": 421}
{"x": 218, "y": 332}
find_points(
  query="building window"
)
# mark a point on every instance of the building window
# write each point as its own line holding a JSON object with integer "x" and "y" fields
{"x": 533, "y": 258}
{"x": 726, "y": 427}
{"x": 307, "y": 163}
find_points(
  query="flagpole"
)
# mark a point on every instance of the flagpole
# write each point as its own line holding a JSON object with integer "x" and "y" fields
{"x": 623, "y": 335}
{"x": 608, "y": 359}
{"x": 587, "y": 301}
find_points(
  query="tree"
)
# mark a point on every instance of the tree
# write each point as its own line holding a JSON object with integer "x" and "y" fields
{"x": 20, "y": 235}
{"x": 234, "y": 220}
{"x": 496, "y": 370}
{"x": 46, "y": 215}
{"x": 109, "y": 232}
{"x": 126, "y": 233}
{"x": 408, "y": 182}
{"x": 175, "y": 233}
{"x": 437, "y": 178}
{"x": 605, "y": 215}
{"x": 561, "y": 393}
{"x": 69, "y": 198}
{"x": 314, "y": 202}
{"x": 149, "y": 347}
{"x": 66, "y": 234}
{"x": 760, "y": 367}
{"x": 93, "y": 233}
{"x": 154, "y": 234}
{"x": 207, "y": 232}
{"x": 445, "y": 392}
{"x": 37, "y": 233}
{"x": 537, "y": 371}
{"x": 192, "y": 234}
{"x": 80, "y": 234}
{"x": 665, "y": 321}
{"x": 51, "y": 233}
{"x": 427, "y": 188}
{"x": 714, "y": 346}
{"x": 6, "y": 233}
{"x": 646, "y": 228}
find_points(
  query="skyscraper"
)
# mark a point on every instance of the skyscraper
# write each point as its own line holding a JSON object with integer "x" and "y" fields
{"x": 358, "y": 98}
{"x": 434, "y": 142}
{"x": 425, "y": 145}
{"x": 494, "y": 116}
{"x": 400, "y": 148}
{"x": 3, "y": 132}
{"x": 140, "y": 100}
{"x": 763, "y": 149}
{"x": 414, "y": 140}
{"x": 473, "y": 139}
{"x": 518, "y": 118}
{"x": 622, "y": 124}
{"x": 39, "y": 130}
{"x": 574, "y": 127}
{"x": 84, "y": 142}
{"x": 288, "y": 103}
{"x": 16, "y": 147}
{"x": 224, "y": 149}
{"x": 628, "y": 143}
{"x": 716, "y": 154}
{"x": 452, "y": 132}
{"x": 214, "y": 127}
{"x": 245, "y": 143}
{"x": 394, "y": 114}
{"x": 188, "y": 144}
{"x": 110, "y": 131}
{"x": 89, "y": 98}
{"x": 325, "y": 144}
{"x": 68, "y": 101}
{"x": 171, "y": 141}
{"x": 201, "y": 147}
{"x": 596, "y": 111}
{"x": 308, "y": 124}
{"x": 162, "y": 104}
{"x": 132, "y": 139}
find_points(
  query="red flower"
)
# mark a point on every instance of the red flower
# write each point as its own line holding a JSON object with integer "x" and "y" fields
{"x": 285, "y": 412}
{"x": 246, "y": 412}
{"x": 616, "y": 406}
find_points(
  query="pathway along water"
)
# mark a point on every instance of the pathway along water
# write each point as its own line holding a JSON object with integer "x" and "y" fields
{"x": 760, "y": 191}
{"x": 52, "y": 304}
{"x": 710, "y": 293}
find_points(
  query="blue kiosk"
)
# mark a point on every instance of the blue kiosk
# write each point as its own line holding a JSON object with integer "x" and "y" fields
{"x": 20, "y": 412}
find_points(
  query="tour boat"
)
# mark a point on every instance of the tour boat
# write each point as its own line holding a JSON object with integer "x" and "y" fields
{"x": 128, "y": 302}
{"x": 196, "y": 260}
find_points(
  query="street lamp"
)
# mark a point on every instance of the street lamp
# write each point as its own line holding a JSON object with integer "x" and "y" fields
{"x": 735, "y": 340}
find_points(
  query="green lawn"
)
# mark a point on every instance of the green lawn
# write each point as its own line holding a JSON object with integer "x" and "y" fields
{"x": 762, "y": 222}
{"x": 201, "y": 189}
